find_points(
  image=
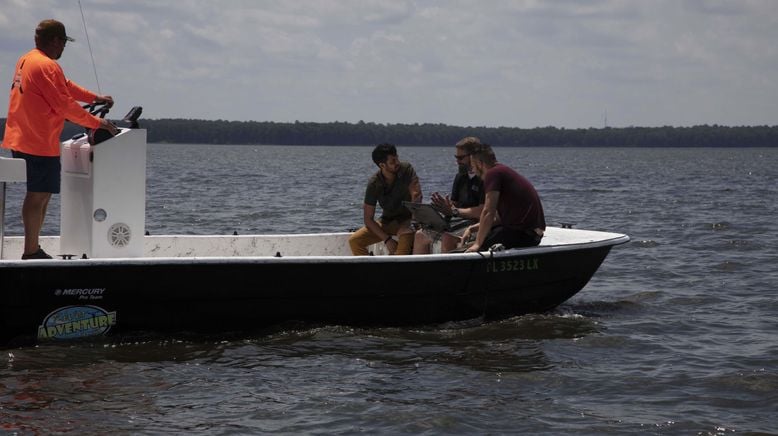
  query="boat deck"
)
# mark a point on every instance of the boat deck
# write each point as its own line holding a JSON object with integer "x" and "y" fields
{"x": 301, "y": 245}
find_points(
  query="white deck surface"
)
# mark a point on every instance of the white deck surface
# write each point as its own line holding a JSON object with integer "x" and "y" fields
{"x": 325, "y": 244}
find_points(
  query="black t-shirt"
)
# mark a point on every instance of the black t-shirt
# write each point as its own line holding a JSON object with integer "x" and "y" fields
{"x": 467, "y": 191}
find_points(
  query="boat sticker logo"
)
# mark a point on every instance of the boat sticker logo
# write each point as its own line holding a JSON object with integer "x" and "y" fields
{"x": 73, "y": 322}
{"x": 81, "y": 293}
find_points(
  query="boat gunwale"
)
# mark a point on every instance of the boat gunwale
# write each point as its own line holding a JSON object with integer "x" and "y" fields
{"x": 617, "y": 239}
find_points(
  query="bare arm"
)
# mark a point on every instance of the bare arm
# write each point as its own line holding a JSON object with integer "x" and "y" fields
{"x": 368, "y": 213}
{"x": 471, "y": 212}
{"x": 445, "y": 205}
{"x": 488, "y": 218}
{"x": 415, "y": 188}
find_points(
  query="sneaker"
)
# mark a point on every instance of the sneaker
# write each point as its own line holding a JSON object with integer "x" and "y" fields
{"x": 40, "y": 254}
{"x": 497, "y": 247}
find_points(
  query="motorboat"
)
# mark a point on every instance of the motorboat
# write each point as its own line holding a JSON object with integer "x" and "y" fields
{"x": 109, "y": 279}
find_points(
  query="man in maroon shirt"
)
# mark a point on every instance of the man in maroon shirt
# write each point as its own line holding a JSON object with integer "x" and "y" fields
{"x": 512, "y": 214}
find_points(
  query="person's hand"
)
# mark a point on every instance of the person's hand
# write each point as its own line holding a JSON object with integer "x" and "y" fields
{"x": 441, "y": 203}
{"x": 107, "y": 99}
{"x": 466, "y": 234}
{"x": 109, "y": 126}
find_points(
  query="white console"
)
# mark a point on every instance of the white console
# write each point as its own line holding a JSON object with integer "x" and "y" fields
{"x": 103, "y": 196}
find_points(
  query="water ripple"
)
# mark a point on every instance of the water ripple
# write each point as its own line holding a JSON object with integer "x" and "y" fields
{"x": 674, "y": 334}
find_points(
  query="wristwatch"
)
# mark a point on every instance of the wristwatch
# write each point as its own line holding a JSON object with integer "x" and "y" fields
{"x": 454, "y": 211}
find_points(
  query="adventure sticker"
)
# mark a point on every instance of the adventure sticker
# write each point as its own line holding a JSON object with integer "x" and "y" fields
{"x": 73, "y": 322}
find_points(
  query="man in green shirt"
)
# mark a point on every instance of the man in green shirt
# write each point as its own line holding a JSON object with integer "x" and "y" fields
{"x": 394, "y": 183}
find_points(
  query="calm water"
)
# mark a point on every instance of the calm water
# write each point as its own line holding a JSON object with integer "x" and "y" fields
{"x": 677, "y": 333}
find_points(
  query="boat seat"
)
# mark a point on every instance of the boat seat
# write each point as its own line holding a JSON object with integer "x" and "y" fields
{"x": 12, "y": 170}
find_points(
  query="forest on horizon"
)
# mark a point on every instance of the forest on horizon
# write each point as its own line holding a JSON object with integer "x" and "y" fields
{"x": 193, "y": 131}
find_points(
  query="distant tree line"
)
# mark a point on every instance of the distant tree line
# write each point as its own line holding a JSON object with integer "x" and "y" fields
{"x": 190, "y": 131}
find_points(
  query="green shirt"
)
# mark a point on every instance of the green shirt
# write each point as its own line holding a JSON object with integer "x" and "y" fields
{"x": 391, "y": 197}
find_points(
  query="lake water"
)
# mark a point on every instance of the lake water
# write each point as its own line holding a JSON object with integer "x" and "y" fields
{"x": 677, "y": 333}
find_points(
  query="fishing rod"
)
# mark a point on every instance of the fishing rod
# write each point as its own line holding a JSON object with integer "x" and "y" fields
{"x": 131, "y": 117}
{"x": 89, "y": 44}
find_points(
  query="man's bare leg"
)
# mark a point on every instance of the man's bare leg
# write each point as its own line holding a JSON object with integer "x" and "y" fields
{"x": 33, "y": 215}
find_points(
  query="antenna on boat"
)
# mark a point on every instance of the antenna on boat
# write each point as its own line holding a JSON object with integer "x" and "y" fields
{"x": 89, "y": 44}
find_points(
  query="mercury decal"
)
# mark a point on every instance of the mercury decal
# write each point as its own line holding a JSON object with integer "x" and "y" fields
{"x": 81, "y": 293}
{"x": 73, "y": 322}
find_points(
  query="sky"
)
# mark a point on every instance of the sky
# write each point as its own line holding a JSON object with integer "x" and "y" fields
{"x": 512, "y": 63}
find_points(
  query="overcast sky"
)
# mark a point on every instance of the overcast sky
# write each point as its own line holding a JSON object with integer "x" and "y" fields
{"x": 519, "y": 63}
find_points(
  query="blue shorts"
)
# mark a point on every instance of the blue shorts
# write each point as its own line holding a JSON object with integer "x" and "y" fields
{"x": 43, "y": 172}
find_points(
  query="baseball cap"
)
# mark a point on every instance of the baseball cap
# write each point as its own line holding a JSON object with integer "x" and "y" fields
{"x": 50, "y": 29}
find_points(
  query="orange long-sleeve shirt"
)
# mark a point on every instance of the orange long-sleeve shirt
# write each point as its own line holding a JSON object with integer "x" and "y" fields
{"x": 41, "y": 99}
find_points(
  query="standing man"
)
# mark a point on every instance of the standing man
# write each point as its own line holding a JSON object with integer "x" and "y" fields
{"x": 40, "y": 101}
{"x": 394, "y": 183}
{"x": 462, "y": 208}
{"x": 512, "y": 214}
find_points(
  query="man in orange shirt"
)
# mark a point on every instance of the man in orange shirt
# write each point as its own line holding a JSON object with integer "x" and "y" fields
{"x": 41, "y": 99}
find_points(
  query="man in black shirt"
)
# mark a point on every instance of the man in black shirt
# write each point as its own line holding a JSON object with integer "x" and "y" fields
{"x": 463, "y": 207}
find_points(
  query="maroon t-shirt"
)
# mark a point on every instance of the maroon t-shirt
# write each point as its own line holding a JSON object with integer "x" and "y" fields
{"x": 519, "y": 205}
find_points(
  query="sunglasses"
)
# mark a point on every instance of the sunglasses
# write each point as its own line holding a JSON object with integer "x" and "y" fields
{"x": 458, "y": 157}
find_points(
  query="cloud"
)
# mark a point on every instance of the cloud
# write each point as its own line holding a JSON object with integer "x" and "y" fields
{"x": 514, "y": 63}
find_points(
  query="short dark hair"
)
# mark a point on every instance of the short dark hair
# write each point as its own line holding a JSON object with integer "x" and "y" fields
{"x": 381, "y": 152}
{"x": 468, "y": 144}
{"x": 49, "y": 30}
{"x": 485, "y": 154}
